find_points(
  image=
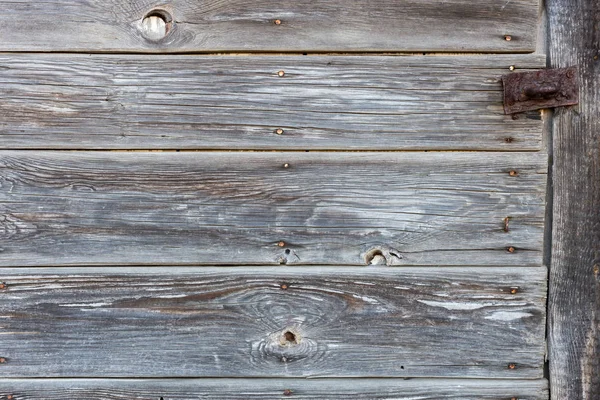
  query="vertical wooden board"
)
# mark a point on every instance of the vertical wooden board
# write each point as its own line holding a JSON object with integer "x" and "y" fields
{"x": 574, "y": 307}
{"x": 273, "y": 322}
{"x": 304, "y": 25}
{"x": 191, "y": 208}
{"x": 231, "y": 102}
{"x": 334, "y": 389}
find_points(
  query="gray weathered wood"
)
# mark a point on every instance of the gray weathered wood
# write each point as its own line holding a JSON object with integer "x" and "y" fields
{"x": 305, "y": 25}
{"x": 574, "y": 307}
{"x": 80, "y": 208}
{"x": 342, "y": 389}
{"x": 234, "y": 322}
{"x": 232, "y": 102}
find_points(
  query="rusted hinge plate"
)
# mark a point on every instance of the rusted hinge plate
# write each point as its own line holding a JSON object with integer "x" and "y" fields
{"x": 525, "y": 91}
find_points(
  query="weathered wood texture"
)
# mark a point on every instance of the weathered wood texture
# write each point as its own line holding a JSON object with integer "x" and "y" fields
{"x": 231, "y": 102}
{"x": 305, "y": 25}
{"x": 273, "y": 322}
{"x": 81, "y": 208}
{"x": 574, "y": 306}
{"x": 149, "y": 389}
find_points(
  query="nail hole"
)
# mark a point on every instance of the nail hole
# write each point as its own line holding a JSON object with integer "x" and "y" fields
{"x": 287, "y": 251}
{"x": 402, "y": 367}
{"x": 509, "y": 140}
{"x": 156, "y": 25}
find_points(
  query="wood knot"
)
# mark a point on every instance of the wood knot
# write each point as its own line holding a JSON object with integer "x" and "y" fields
{"x": 157, "y": 24}
{"x": 378, "y": 256}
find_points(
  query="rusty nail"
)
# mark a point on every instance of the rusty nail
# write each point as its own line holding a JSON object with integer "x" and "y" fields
{"x": 514, "y": 290}
{"x": 279, "y": 131}
{"x": 506, "y": 221}
{"x": 286, "y": 165}
{"x": 284, "y": 286}
{"x": 512, "y": 366}
{"x": 281, "y": 244}
{"x": 512, "y": 68}
{"x": 287, "y": 392}
{"x": 277, "y": 22}
{"x": 2, "y": 285}
{"x": 510, "y": 249}
{"x": 508, "y": 38}
{"x": 281, "y": 73}
{"x": 2, "y": 360}
{"x": 513, "y": 398}
{"x": 9, "y": 397}
{"x": 513, "y": 172}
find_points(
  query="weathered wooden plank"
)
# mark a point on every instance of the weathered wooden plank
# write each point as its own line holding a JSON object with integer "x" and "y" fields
{"x": 574, "y": 307}
{"x": 138, "y": 208}
{"x": 228, "y": 102}
{"x": 151, "y": 389}
{"x": 268, "y": 25}
{"x": 273, "y": 322}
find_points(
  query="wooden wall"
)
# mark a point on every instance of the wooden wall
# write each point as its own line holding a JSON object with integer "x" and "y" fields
{"x": 270, "y": 204}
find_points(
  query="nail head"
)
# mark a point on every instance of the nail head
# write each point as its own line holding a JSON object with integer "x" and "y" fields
{"x": 279, "y": 131}
{"x": 277, "y": 22}
{"x": 281, "y": 244}
{"x": 286, "y": 165}
{"x": 512, "y": 366}
{"x": 512, "y": 68}
{"x": 510, "y": 249}
{"x": 287, "y": 392}
{"x": 281, "y": 73}
{"x": 508, "y": 38}
{"x": 513, "y": 173}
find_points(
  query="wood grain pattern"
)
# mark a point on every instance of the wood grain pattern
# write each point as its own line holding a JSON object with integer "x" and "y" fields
{"x": 334, "y": 389}
{"x": 273, "y": 322}
{"x": 574, "y": 307}
{"x": 232, "y": 102}
{"x": 305, "y": 25}
{"x": 138, "y": 208}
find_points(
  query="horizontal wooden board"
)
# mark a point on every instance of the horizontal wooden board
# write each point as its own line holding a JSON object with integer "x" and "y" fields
{"x": 304, "y": 25}
{"x": 342, "y": 389}
{"x": 273, "y": 322}
{"x": 139, "y": 208}
{"x": 232, "y": 102}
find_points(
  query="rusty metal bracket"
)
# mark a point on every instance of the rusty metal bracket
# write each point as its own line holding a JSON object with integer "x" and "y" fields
{"x": 525, "y": 91}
